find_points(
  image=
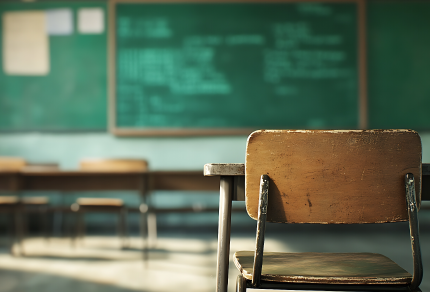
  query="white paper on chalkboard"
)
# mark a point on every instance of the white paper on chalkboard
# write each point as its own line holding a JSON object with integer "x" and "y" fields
{"x": 91, "y": 20}
{"x": 25, "y": 43}
{"x": 59, "y": 21}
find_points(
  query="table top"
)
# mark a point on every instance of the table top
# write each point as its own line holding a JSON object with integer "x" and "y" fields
{"x": 186, "y": 180}
{"x": 76, "y": 180}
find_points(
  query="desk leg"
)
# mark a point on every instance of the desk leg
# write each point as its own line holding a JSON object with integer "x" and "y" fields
{"x": 143, "y": 208}
{"x": 19, "y": 228}
{"x": 224, "y": 226}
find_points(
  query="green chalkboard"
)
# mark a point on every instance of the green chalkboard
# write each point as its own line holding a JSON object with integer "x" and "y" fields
{"x": 73, "y": 95}
{"x": 205, "y": 66}
{"x": 399, "y": 64}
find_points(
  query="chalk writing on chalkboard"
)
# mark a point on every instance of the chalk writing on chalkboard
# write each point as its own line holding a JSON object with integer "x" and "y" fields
{"x": 215, "y": 65}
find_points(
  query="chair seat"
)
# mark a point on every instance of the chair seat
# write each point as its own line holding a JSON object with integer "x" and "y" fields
{"x": 324, "y": 268}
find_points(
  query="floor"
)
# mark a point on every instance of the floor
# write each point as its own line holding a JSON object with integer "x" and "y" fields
{"x": 181, "y": 260}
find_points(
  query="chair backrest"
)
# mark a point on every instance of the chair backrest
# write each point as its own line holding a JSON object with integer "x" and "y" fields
{"x": 41, "y": 167}
{"x": 114, "y": 165}
{"x": 332, "y": 176}
{"x": 11, "y": 163}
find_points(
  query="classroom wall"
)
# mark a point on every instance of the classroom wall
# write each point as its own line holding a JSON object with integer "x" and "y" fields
{"x": 162, "y": 153}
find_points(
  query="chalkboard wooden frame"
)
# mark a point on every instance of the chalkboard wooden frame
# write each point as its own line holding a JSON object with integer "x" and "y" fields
{"x": 362, "y": 105}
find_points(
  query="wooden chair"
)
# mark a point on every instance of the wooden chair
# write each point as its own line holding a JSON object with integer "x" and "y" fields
{"x": 39, "y": 204}
{"x": 324, "y": 177}
{"x": 20, "y": 206}
{"x": 110, "y": 205}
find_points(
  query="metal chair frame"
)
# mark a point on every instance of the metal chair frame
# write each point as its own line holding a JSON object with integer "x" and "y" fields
{"x": 242, "y": 283}
{"x": 232, "y": 181}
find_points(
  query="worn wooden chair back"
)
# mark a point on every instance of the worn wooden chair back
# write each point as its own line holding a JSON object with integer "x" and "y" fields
{"x": 83, "y": 205}
{"x": 332, "y": 176}
{"x": 11, "y": 163}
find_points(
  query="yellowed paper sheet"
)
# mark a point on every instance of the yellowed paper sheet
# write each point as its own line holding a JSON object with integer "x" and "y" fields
{"x": 91, "y": 20}
{"x": 25, "y": 43}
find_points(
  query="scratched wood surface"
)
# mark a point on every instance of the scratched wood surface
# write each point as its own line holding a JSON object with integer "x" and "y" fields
{"x": 226, "y": 169}
{"x": 332, "y": 176}
{"x": 324, "y": 268}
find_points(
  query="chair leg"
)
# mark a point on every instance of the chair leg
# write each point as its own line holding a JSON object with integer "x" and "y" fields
{"x": 240, "y": 284}
{"x": 45, "y": 216}
{"x": 261, "y": 227}
{"x": 81, "y": 225}
{"x": 19, "y": 229}
{"x": 72, "y": 228}
{"x": 143, "y": 208}
{"x": 11, "y": 231}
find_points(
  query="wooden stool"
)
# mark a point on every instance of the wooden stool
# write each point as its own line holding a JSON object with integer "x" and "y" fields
{"x": 86, "y": 205}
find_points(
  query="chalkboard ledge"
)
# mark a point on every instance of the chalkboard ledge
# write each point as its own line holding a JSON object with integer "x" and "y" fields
{"x": 180, "y": 131}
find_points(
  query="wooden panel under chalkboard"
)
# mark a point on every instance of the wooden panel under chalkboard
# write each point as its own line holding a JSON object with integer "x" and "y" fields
{"x": 227, "y": 68}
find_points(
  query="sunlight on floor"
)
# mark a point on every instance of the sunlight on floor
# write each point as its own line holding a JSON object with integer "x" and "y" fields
{"x": 177, "y": 262}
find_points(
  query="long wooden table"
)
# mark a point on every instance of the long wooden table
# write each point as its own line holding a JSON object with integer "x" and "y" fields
{"x": 91, "y": 180}
{"x": 141, "y": 182}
